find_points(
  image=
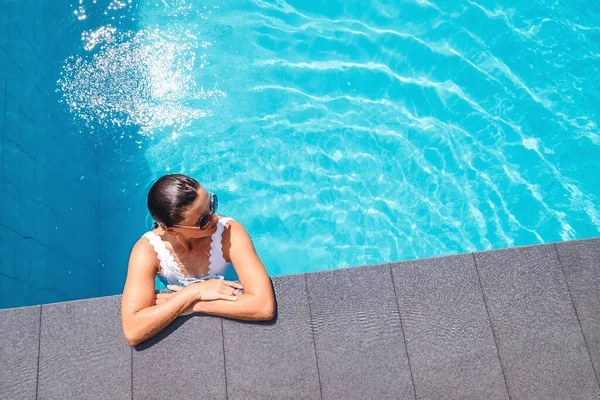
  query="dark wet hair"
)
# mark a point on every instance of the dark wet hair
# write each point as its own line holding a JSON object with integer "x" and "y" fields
{"x": 170, "y": 196}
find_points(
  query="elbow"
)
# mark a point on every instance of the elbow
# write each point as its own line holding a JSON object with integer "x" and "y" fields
{"x": 265, "y": 315}
{"x": 131, "y": 336}
{"x": 132, "y": 340}
{"x": 266, "y": 311}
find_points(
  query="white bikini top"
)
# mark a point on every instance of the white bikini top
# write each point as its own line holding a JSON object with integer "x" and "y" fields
{"x": 170, "y": 273}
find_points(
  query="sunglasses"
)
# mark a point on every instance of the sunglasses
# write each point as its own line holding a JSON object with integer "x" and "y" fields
{"x": 205, "y": 220}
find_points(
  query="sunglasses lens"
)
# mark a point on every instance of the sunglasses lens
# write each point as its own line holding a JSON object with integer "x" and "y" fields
{"x": 205, "y": 220}
{"x": 214, "y": 202}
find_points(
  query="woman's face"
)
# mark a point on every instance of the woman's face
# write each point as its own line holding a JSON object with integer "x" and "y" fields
{"x": 194, "y": 214}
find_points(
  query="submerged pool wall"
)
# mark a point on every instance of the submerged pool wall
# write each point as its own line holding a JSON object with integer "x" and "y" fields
{"x": 70, "y": 200}
{"x": 49, "y": 173}
{"x": 122, "y": 212}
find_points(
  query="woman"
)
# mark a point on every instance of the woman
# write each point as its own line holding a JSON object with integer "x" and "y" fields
{"x": 190, "y": 249}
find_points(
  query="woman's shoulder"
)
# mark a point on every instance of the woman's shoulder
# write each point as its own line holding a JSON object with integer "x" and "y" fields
{"x": 229, "y": 223}
{"x": 234, "y": 232}
{"x": 144, "y": 250}
{"x": 145, "y": 243}
{"x": 225, "y": 219}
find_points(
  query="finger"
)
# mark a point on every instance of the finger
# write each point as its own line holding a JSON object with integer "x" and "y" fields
{"x": 232, "y": 291}
{"x": 163, "y": 295}
{"x": 234, "y": 284}
{"x": 174, "y": 288}
{"x": 228, "y": 292}
{"x": 227, "y": 297}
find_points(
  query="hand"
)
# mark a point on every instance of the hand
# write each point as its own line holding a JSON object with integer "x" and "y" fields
{"x": 163, "y": 297}
{"x": 213, "y": 289}
{"x": 217, "y": 290}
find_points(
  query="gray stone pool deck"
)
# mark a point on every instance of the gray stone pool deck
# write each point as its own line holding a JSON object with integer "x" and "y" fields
{"x": 519, "y": 323}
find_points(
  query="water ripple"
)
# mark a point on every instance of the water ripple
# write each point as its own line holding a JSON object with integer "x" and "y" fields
{"x": 353, "y": 134}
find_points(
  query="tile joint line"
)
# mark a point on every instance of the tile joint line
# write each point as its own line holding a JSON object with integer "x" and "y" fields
{"x": 487, "y": 311}
{"x": 312, "y": 330}
{"x": 576, "y": 313}
{"x": 402, "y": 329}
{"x": 37, "y": 378}
{"x": 224, "y": 363}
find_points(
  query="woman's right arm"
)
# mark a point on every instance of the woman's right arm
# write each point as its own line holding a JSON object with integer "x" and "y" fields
{"x": 141, "y": 318}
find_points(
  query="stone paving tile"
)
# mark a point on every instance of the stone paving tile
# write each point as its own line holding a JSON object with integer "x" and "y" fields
{"x": 358, "y": 334}
{"x": 274, "y": 360}
{"x": 448, "y": 334}
{"x": 581, "y": 264}
{"x": 19, "y": 346}
{"x": 83, "y": 352}
{"x": 184, "y": 361}
{"x": 539, "y": 339}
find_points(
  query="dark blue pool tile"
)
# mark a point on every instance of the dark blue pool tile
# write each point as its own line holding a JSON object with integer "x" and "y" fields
{"x": 581, "y": 264}
{"x": 9, "y": 289}
{"x": 10, "y": 69}
{"x": 12, "y": 159}
{"x": 448, "y": 333}
{"x": 112, "y": 280}
{"x": 18, "y": 293}
{"x": 184, "y": 361}
{"x": 3, "y": 96}
{"x": 358, "y": 335}
{"x": 19, "y": 332}
{"x": 11, "y": 206}
{"x": 25, "y": 259}
{"x": 78, "y": 247}
{"x": 42, "y": 184}
{"x": 15, "y": 123}
{"x": 23, "y": 274}
{"x": 9, "y": 240}
{"x": 18, "y": 167}
{"x": 19, "y": 49}
{"x": 23, "y": 214}
{"x": 274, "y": 360}
{"x": 66, "y": 274}
{"x": 538, "y": 336}
{"x": 4, "y": 29}
{"x": 83, "y": 353}
{"x": 27, "y": 110}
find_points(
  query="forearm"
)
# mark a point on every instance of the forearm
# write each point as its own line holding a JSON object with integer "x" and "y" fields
{"x": 149, "y": 321}
{"x": 249, "y": 307}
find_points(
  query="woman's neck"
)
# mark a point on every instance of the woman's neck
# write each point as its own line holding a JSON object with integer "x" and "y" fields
{"x": 183, "y": 245}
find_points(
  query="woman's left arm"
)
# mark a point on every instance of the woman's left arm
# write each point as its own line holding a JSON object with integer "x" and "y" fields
{"x": 257, "y": 302}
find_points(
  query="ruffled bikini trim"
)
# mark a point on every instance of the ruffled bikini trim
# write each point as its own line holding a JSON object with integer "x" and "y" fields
{"x": 164, "y": 256}
{"x": 167, "y": 261}
{"x": 216, "y": 246}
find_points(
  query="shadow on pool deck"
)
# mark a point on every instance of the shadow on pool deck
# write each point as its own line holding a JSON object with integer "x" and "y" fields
{"x": 520, "y": 323}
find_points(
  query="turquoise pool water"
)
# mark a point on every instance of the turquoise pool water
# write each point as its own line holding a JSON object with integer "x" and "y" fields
{"x": 344, "y": 133}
